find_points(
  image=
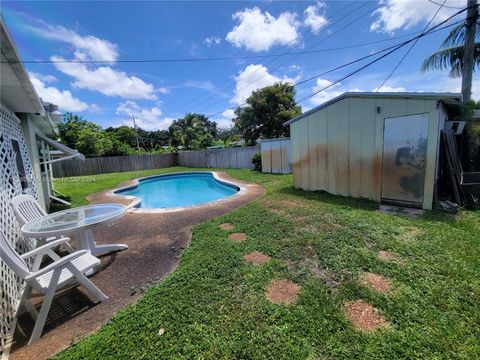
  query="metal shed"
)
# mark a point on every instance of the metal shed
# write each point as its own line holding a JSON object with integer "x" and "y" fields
{"x": 276, "y": 155}
{"x": 380, "y": 146}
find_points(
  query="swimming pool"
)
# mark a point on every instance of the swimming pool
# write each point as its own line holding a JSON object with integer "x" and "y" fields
{"x": 179, "y": 190}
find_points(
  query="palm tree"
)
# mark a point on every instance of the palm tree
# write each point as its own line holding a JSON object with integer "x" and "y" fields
{"x": 450, "y": 55}
{"x": 188, "y": 128}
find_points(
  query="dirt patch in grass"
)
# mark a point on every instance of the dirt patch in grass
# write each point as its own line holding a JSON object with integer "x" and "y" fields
{"x": 312, "y": 265}
{"x": 256, "y": 258}
{"x": 225, "y": 226}
{"x": 284, "y": 207}
{"x": 364, "y": 316}
{"x": 283, "y": 292}
{"x": 237, "y": 237}
{"x": 388, "y": 256}
{"x": 409, "y": 233}
{"x": 376, "y": 282}
{"x": 290, "y": 215}
{"x": 315, "y": 225}
{"x": 282, "y": 203}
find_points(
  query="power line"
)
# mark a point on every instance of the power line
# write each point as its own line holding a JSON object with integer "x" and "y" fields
{"x": 445, "y": 6}
{"x": 173, "y": 60}
{"x": 392, "y": 49}
{"x": 396, "y": 47}
{"x": 306, "y": 52}
{"x": 411, "y": 47}
{"x": 381, "y": 57}
{"x": 219, "y": 49}
{"x": 317, "y": 43}
{"x": 221, "y": 87}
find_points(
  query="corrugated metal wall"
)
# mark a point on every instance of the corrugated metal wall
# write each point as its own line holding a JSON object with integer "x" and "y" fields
{"x": 339, "y": 148}
{"x": 276, "y": 156}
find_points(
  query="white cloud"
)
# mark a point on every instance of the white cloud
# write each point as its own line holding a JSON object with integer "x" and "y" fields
{"x": 404, "y": 14}
{"x": 163, "y": 90}
{"x": 330, "y": 93}
{"x": 259, "y": 31}
{"x": 225, "y": 122}
{"x": 229, "y": 114}
{"x": 254, "y": 77}
{"x": 90, "y": 46}
{"x": 106, "y": 80}
{"x": 145, "y": 118}
{"x": 454, "y": 85}
{"x": 94, "y": 108}
{"x": 212, "y": 40}
{"x": 43, "y": 78}
{"x": 324, "y": 95}
{"x": 313, "y": 19}
{"x": 203, "y": 85}
{"x": 64, "y": 99}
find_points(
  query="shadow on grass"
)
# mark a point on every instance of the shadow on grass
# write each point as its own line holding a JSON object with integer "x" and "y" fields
{"x": 323, "y": 196}
{"x": 365, "y": 204}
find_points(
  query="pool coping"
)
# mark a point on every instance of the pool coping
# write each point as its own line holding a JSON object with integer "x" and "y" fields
{"x": 135, "y": 201}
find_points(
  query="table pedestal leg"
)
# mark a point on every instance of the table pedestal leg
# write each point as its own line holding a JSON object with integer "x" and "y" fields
{"x": 86, "y": 241}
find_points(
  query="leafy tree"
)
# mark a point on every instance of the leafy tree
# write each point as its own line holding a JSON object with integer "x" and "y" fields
{"x": 124, "y": 134}
{"x": 159, "y": 138}
{"x": 225, "y": 134}
{"x": 194, "y": 131}
{"x": 119, "y": 148}
{"x": 84, "y": 136}
{"x": 93, "y": 143}
{"x": 210, "y": 126}
{"x": 202, "y": 141}
{"x": 71, "y": 127}
{"x": 266, "y": 111}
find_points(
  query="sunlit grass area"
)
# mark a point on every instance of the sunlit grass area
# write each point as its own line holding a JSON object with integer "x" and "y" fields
{"x": 214, "y": 306}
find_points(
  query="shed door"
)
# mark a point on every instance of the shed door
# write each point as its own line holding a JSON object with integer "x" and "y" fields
{"x": 404, "y": 158}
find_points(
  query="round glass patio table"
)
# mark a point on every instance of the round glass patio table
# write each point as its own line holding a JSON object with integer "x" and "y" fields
{"x": 78, "y": 223}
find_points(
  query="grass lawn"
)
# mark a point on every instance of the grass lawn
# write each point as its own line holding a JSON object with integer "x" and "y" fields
{"x": 213, "y": 306}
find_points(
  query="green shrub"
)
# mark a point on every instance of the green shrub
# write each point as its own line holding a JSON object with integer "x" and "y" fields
{"x": 257, "y": 161}
{"x": 475, "y": 147}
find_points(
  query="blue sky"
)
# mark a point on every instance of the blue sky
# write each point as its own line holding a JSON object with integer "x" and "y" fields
{"x": 156, "y": 93}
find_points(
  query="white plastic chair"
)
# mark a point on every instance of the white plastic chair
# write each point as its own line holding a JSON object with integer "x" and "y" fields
{"x": 58, "y": 274}
{"x": 26, "y": 209}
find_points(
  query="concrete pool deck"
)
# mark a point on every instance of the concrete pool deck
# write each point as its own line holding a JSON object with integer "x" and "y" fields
{"x": 155, "y": 242}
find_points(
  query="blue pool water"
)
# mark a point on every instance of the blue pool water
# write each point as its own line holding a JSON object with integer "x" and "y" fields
{"x": 177, "y": 190}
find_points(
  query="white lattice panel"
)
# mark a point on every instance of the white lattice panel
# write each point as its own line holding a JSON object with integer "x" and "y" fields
{"x": 10, "y": 186}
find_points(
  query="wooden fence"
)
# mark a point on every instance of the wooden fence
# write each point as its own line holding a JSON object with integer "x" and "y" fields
{"x": 104, "y": 165}
{"x": 239, "y": 158}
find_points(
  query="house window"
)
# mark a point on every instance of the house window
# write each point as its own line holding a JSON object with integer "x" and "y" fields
{"x": 20, "y": 165}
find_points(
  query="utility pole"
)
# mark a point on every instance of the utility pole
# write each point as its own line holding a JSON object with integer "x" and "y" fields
{"x": 469, "y": 49}
{"x": 136, "y": 132}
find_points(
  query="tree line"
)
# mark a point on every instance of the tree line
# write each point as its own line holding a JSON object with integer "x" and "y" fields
{"x": 262, "y": 117}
